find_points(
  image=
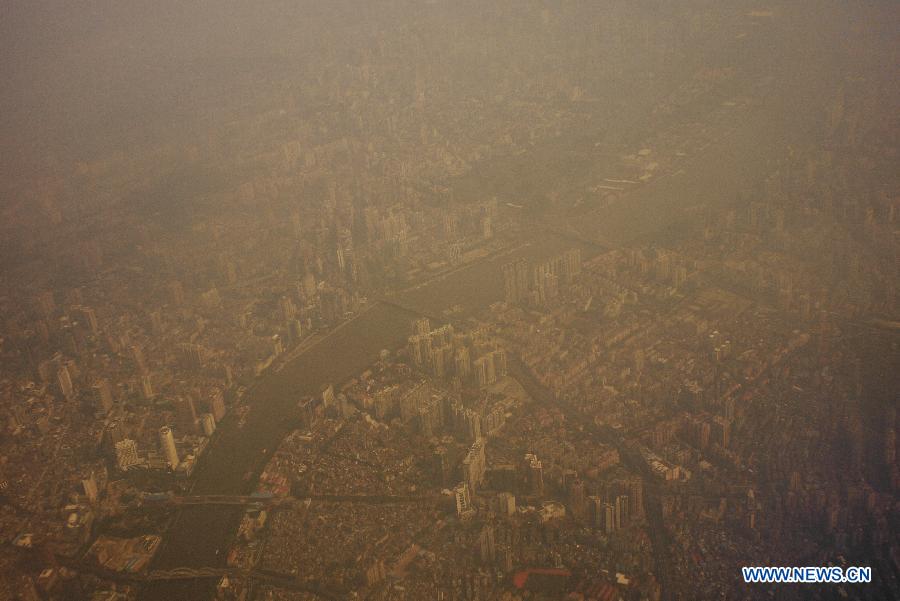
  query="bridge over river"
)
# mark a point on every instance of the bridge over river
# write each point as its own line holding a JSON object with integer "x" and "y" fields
{"x": 272, "y": 502}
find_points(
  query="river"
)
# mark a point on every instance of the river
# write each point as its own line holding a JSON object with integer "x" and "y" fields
{"x": 200, "y": 535}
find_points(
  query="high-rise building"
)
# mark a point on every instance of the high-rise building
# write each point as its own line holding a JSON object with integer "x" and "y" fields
{"x": 191, "y": 355}
{"x": 72, "y": 340}
{"x": 167, "y": 444}
{"x": 422, "y": 326}
{"x": 147, "y": 386}
{"x": 277, "y": 345}
{"x": 430, "y": 417}
{"x": 474, "y": 465}
{"x": 539, "y": 282}
{"x": 306, "y": 411}
{"x": 499, "y": 360}
{"x": 463, "y": 499}
{"x": 295, "y": 327}
{"x": 126, "y": 454}
{"x": 515, "y": 281}
{"x": 506, "y": 504}
{"x": 597, "y": 514}
{"x": 471, "y": 424}
{"x": 413, "y": 399}
{"x": 385, "y": 401}
{"x": 89, "y": 485}
{"x": 437, "y": 364}
{"x": 622, "y": 515}
{"x": 415, "y": 350}
{"x": 511, "y": 294}
{"x": 463, "y": 364}
{"x": 721, "y": 431}
{"x": 487, "y": 550}
{"x": 341, "y": 260}
{"x": 441, "y": 336}
{"x": 636, "y": 496}
{"x": 328, "y": 397}
{"x": 609, "y": 518}
{"x": 64, "y": 379}
{"x": 216, "y": 402}
{"x": 209, "y": 424}
{"x": 576, "y": 498}
{"x": 288, "y": 311}
{"x": 571, "y": 264}
{"x": 534, "y": 474}
{"x": 421, "y": 349}
{"x": 485, "y": 373}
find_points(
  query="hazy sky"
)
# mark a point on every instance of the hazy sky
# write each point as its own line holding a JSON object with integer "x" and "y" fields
{"x": 72, "y": 69}
{"x": 78, "y": 71}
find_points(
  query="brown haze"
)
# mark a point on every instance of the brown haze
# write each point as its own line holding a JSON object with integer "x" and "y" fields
{"x": 428, "y": 300}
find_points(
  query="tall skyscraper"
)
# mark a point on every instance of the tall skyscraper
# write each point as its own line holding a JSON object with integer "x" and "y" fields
{"x": 422, "y": 326}
{"x": 463, "y": 364}
{"x": 571, "y": 264}
{"x": 576, "y": 498}
{"x": 420, "y": 346}
{"x": 167, "y": 444}
{"x": 328, "y": 398}
{"x": 515, "y": 281}
{"x": 485, "y": 374}
{"x": 217, "y": 404}
{"x": 438, "y": 366}
{"x": 636, "y": 496}
{"x": 486, "y": 545}
{"x": 609, "y": 518}
{"x": 474, "y": 465}
{"x": 209, "y": 424}
{"x": 65, "y": 382}
{"x": 499, "y": 357}
{"x": 597, "y": 511}
{"x": 147, "y": 386}
{"x": 89, "y": 485}
{"x": 534, "y": 474}
{"x": 622, "y": 514}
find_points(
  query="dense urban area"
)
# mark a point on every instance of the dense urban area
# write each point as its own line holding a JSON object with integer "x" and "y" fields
{"x": 472, "y": 301}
